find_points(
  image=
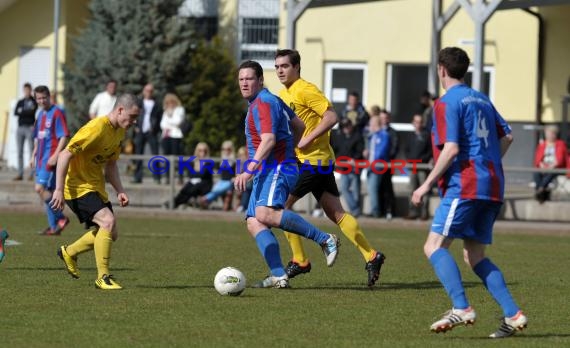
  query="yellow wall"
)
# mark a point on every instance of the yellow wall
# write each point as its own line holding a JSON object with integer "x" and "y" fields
{"x": 74, "y": 17}
{"x": 30, "y": 24}
{"x": 228, "y": 25}
{"x": 511, "y": 48}
{"x": 557, "y": 60}
{"x": 383, "y": 32}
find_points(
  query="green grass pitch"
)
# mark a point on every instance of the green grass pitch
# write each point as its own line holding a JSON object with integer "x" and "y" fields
{"x": 167, "y": 268}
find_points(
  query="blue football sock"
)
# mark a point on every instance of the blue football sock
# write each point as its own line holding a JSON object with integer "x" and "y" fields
{"x": 293, "y": 222}
{"x": 269, "y": 248}
{"x": 448, "y": 273}
{"x": 51, "y": 215}
{"x": 494, "y": 281}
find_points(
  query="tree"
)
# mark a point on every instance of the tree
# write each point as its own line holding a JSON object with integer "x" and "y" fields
{"x": 214, "y": 104}
{"x": 132, "y": 42}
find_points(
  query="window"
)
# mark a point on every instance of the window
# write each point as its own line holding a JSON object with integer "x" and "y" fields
{"x": 343, "y": 78}
{"x": 258, "y": 30}
{"x": 488, "y": 87}
{"x": 405, "y": 84}
{"x": 203, "y": 15}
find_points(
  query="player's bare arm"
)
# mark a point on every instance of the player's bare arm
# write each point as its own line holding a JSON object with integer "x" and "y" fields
{"x": 52, "y": 160}
{"x": 506, "y": 141}
{"x": 330, "y": 118}
{"x": 265, "y": 146}
{"x": 63, "y": 160}
{"x": 33, "y": 156}
{"x": 448, "y": 154}
{"x": 113, "y": 177}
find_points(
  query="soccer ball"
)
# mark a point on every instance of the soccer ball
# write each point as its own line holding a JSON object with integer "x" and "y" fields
{"x": 229, "y": 281}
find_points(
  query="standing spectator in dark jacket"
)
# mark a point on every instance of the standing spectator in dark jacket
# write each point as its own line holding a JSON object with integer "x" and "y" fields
{"x": 146, "y": 130}
{"x": 387, "y": 196}
{"x": 419, "y": 148}
{"x": 356, "y": 113}
{"x": 348, "y": 142}
{"x": 26, "y": 113}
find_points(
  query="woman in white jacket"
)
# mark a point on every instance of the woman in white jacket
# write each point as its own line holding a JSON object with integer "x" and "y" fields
{"x": 171, "y": 123}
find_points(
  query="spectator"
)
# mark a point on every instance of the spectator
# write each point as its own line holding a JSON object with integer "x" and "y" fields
{"x": 170, "y": 124}
{"x": 146, "y": 130}
{"x": 200, "y": 181}
{"x": 105, "y": 101}
{"x": 387, "y": 196}
{"x": 356, "y": 113}
{"x": 51, "y": 136}
{"x": 26, "y": 112}
{"x": 348, "y": 142}
{"x": 426, "y": 110}
{"x": 419, "y": 148}
{"x": 378, "y": 149}
{"x": 243, "y": 197}
{"x": 551, "y": 153}
{"x": 224, "y": 186}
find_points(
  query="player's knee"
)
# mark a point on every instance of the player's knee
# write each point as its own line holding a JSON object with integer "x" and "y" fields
{"x": 266, "y": 216}
{"x": 472, "y": 258}
{"x": 108, "y": 222}
{"x": 428, "y": 249}
{"x": 39, "y": 189}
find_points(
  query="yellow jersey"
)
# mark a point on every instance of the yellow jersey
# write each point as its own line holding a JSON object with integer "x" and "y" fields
{"x": 309, "y": 103}
{"x": 96, "y": 143}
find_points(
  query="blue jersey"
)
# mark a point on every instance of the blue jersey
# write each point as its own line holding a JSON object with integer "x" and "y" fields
{"x": 379, "y": 145}
{"x": 50, "y": 126}
{"x": 267, "y": 113}
{"x": 468, "y": 118}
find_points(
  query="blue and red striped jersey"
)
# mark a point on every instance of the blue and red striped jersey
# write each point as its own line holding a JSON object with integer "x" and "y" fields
{"x": 267, "y": 113}
{"x": 468, "y": 118}
{"x": 50, "y": 126}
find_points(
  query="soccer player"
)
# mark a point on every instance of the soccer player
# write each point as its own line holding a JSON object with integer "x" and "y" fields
{"x": 50, "y": 136}
{"x": 469, "y": 140}
{"x": 272, "y": 130}
{"x": 90, "y": 158}
{"x": 318, "y": 114}
{"x": 3, "y": 236}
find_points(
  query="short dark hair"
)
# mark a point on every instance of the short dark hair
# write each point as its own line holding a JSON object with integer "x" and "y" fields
{"x": 294, "y": 56}
{"x": 42, "y": 89}
{"x": 354, "y": 94}
{"x": 455, "y": 61}
{"x": 252, "y": 64}
{"x": 27, "y": 85}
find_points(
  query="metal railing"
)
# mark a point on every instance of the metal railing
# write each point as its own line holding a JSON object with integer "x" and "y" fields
{"x": 173, "y": 173}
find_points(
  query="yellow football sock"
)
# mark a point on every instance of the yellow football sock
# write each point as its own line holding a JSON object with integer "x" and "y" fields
{"x": 297, "y": 249}
{"x": 349, "y": 226}
{"x": 83, "y": 244}
{"x": 103, "y": 242}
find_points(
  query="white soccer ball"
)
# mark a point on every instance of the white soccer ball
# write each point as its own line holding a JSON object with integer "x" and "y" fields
{"x": 229, "y": 281}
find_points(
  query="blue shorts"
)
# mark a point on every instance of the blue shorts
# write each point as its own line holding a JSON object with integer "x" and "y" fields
{"x": 271, "y": 188}
{"x": 466, "y": 219}
{"x": 46, "y": 178}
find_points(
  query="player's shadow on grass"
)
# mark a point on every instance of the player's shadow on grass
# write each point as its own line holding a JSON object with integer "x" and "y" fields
{"x": 174, "y": 287}
{"x": 383, "y": 286}
{"x": 61, "y": 268}
{"x": 519, "y": 335}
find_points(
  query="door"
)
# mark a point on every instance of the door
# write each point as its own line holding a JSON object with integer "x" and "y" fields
{"x": 342, "y": 79}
